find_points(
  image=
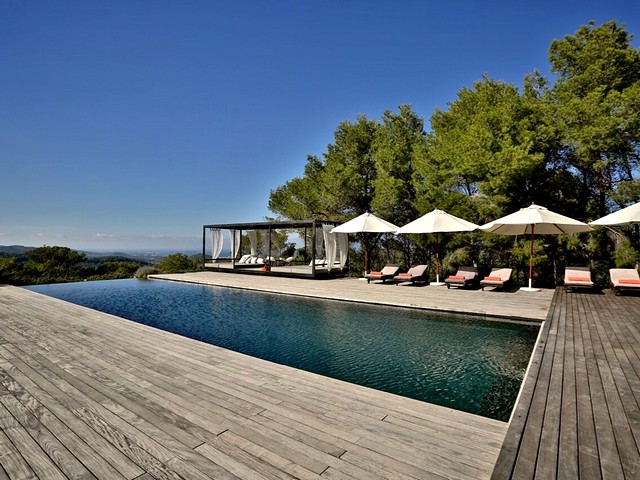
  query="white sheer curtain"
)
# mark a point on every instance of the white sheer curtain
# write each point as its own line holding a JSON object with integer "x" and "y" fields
{"x": 236, "y": 243}
{"x": 217, "y": 241}
{"x": 319, "y": 243}
{"x": 329, "y": 245}
{"x": 342, "y": 245}
{"x": 265, "y": 243}
{"x": 254, "y": 242}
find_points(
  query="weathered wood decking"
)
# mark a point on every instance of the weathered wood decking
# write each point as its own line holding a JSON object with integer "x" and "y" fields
{"x": 578, "y": 415}
{"x": 84, "y": 394}
{"x": 513, "y": 305}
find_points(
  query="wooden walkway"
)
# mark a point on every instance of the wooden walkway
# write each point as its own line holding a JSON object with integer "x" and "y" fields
{"x": 85, "y": 394}
{"x": 578, "y": 416}
{"x": 514, "y": 305}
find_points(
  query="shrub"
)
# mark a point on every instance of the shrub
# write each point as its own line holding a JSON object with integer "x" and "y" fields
{"x": 144, "y": 272}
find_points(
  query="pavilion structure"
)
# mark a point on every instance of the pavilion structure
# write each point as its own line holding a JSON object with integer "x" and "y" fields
{"x": 264, "y": 248}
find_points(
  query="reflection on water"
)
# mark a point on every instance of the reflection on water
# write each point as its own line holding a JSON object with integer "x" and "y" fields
{"x": 456, "y": 361}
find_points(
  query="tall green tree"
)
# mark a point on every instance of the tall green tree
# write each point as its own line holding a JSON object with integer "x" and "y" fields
{"x": 487, "y": 153}
{"x": 597, "y": 105}
{"x": 54, "y": 264}
{"x": 394, "y": 148}
{"x": 338, "y": 186}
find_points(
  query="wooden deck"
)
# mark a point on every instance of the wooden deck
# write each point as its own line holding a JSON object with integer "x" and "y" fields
{"x": 85, "y": 394}
{"x": 578, "y": 415}
{"x": 514, "y": 305}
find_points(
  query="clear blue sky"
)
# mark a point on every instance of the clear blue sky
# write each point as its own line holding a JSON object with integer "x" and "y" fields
{"x": 130, "y": 124}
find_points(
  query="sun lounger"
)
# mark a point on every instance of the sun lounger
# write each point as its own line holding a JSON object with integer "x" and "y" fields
{"x": 414, "y": 275}
{"x": 387, "y": 273}
{"x": 465, "y": 276}
{"x": 499, "y": 278}
{"x": 624, "y": 279}
{"x": 577, "y": 277}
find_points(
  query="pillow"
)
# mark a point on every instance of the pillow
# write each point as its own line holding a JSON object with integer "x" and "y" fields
{"x": 493, "y": 279}
{"x": 579, "y": 279}
{"x": 629, "y": 281}
{"x": 375, "y": 273}
{"x": 405, "y": 275}
{"x": 244, "y": 258}
{"x": 456, "y": 277}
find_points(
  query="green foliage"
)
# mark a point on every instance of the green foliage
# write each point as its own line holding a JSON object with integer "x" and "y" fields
{"x": 60, "y": 264}
{"x": 53, "y": 264}
{"x": 145, "y": 271}
{"x": 571, "y": 143}
{"x": 178, "y": 263}
{"x": 625, "y": 255}
{"x": 596, "y": 101}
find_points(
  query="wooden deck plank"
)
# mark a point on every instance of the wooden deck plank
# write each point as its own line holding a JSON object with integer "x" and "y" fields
{"x": 595, "y": 403}
{"x": 93, "y": 376}
{"x": 577, "y": 415}
{"x": 512, "y": 305}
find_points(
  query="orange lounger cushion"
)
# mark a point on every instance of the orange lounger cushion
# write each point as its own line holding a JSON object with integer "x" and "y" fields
{"x": 579, "y": 279}
{"x": 404, "y": 274}
{"x": 375, "y": 273}
{"x": 629, "y": 281}
{"x": 493, "y": 279}
{"x": 456, "y": 277}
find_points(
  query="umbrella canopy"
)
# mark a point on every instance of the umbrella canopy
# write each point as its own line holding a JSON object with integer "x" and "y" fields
{"x": 438, "y": 221}
{"x": 630, "y": 214}
{"x": 365, "y": 223}
{"x": 531, "y": 220}
{"x": 538, "y": 218}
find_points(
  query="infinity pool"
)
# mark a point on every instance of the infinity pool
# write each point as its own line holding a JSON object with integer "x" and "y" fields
{"x": 462, "y": 362}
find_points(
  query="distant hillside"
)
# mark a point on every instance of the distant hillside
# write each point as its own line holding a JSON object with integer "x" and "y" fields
{"x": 143, "y": 256}
{"x": 14, "y": 249}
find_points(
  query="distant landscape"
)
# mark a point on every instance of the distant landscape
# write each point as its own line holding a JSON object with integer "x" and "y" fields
{"x": 143, "y": 255}
{"x": 26, "y": 265}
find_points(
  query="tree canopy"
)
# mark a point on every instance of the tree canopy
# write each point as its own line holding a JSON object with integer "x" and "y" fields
{"x": 570, "y": 142}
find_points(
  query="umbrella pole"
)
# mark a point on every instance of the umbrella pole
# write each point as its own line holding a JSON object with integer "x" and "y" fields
{"x": 531, "y": 253}
{"x": 530, "y": 288}
{"x": 437, "y": 261}
{"x": 438, "y": 282}
{"x": 366, "y": 252}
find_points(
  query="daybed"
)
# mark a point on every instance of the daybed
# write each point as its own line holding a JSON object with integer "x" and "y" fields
{"x": 414, "y": 275}
{"x": 465, "y": 276}
{"x": 249, "y": 261}
{"x": 577, "y": 277}
{"x": 624, "y": 279}
{"x": 499, "y": 278}
{"x": 387, "y": 273}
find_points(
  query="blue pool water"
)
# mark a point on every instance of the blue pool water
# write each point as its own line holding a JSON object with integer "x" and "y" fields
{"x": 461, "y": 362}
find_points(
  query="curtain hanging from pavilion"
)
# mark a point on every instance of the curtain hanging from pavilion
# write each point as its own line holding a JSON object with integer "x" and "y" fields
{"x": 264, "y": 248}
{"x": 253, "y": 239}
{"x": 237, "y": 239}
{"x": 329, "y": 245}
{"x": 217, "y": 242}
{"x": 342, "y": 246}
{"x": 319, "y": 243}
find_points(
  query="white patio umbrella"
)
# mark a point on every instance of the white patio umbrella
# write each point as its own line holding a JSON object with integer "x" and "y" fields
{"x": 630, "y": 214}
{"x": 437, "y": 221}
{"x": 366, "y": 223}
{"x": 531, "y": 220}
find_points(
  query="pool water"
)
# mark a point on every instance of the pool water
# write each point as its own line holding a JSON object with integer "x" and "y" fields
{"x": 463, "y": 362}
